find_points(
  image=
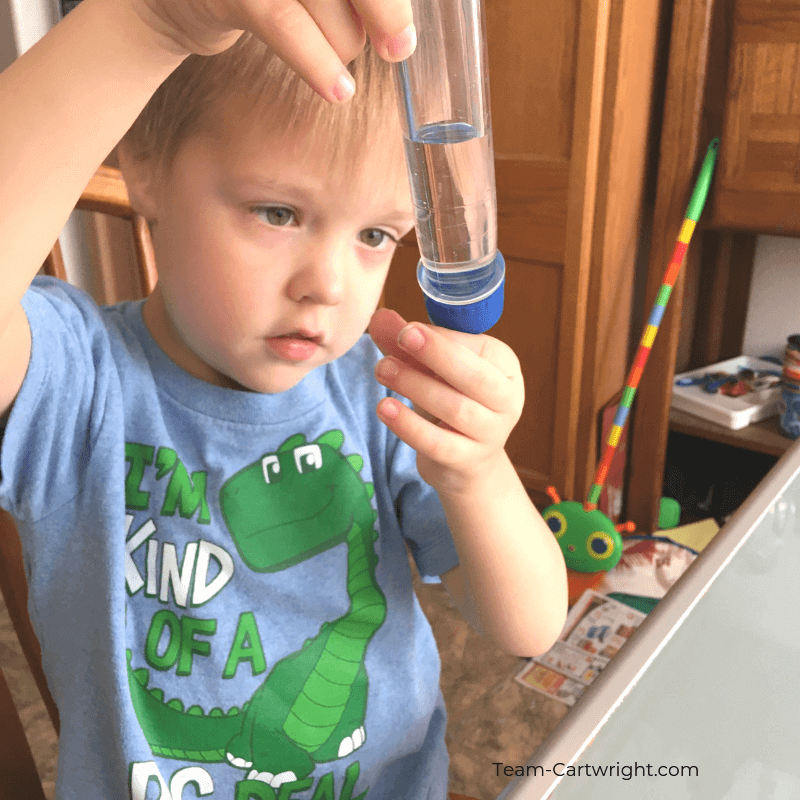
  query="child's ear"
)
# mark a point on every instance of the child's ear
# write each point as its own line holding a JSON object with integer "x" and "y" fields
{"x": 141, "y": 179}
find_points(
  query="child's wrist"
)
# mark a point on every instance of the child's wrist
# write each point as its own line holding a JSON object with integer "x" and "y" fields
{"x": 460, "y": 487}
{"x": 153, "y": 32}
{"x": 136, "y": 23}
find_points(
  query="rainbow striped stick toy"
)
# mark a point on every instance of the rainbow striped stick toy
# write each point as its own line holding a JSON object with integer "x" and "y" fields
{"x": 687, "y": 229}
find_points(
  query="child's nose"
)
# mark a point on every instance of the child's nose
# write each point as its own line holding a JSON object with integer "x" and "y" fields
{"x": 320, "y": 277}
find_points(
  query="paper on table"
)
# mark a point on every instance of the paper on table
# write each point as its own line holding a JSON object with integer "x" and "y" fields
{"x": 596, "y": 628}
{"x": 696, "y": 535}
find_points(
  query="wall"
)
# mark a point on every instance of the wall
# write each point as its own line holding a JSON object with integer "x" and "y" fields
{"x": 31, "y": 20}
{"x": 774, "y": 309}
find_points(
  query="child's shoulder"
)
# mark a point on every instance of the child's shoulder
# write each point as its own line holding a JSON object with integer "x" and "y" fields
{"x": 69, "y": 317}
{"x": 65, "y": 300}
{"x": 60, "y": 297}
{"x": 59, "y": 290}
{"x": 56, "y": 308}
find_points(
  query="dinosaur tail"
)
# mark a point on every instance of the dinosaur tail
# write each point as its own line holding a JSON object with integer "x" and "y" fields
{"x": 320, "y": 705}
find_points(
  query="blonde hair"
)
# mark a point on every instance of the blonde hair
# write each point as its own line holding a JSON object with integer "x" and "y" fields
{"x": 251, "y": 75}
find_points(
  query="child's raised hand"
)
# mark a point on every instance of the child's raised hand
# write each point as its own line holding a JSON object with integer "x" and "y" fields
{"x": 316, "y": 38}
{"x": 467, "y": 392}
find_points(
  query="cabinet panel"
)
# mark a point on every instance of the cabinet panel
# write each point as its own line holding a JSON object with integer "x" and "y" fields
{"x": 532, "y": 67}
{"x": 759, "y": 171}
{"x": 532, "y": 208}
{"x": 528, "y": 317}
{"x": 768, "y": 21}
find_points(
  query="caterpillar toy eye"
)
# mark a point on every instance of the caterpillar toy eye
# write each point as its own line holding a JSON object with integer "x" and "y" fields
{"x": 556, "y": 522}
{"x": 599, "y": 545}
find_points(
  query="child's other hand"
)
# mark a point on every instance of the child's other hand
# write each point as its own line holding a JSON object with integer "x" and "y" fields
{"x": 467, "y": 392}
{"x": 316, "y": 38}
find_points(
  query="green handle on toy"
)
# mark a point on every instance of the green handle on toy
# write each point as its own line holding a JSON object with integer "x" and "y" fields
{"x": 703, "y": 184}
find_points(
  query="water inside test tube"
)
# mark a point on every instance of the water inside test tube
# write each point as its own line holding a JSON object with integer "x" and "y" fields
{"x": 451, "y": 170}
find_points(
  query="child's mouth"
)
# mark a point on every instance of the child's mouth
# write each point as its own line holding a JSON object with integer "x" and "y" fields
{"x": 295, "y": 346}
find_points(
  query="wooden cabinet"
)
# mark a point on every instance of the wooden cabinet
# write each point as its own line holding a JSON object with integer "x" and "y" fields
{"x": 571, "y": 91}
{"x": 734, "y": 72}
{"x": 758, "y": 186}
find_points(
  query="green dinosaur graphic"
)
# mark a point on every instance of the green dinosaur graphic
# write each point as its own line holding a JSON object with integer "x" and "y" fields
{"x": 280, "y": 510}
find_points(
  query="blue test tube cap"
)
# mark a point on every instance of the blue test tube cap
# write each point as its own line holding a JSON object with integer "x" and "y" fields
{"x": 476, "y": 316}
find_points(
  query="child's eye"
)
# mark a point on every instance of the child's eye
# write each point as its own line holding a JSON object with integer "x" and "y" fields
{"x": 375, "y": 237}
{"x": 274, "y": 215}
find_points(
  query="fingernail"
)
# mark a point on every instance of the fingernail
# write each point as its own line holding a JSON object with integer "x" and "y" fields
{"x": 402, "y": 45}
{"x": 387, "y": 368}
{"x": 388, "y": 409}
{"x": 344, "y": 88}
{"x": 411, "y": 338}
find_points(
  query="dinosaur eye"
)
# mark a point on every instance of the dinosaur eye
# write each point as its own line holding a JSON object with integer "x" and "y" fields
{"x": 307, "y": 458}
{"x": 556, "y": 522}
{"x": 271, "y": 468}
{"x": 599, "y": 545}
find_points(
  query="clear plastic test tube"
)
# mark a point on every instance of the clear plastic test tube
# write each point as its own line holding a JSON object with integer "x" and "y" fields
{"x": 443, "y": 93}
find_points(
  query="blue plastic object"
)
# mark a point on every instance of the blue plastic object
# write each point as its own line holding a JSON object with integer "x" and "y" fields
{"x": 478, "y": 311}
{"x": 790, "y": 416}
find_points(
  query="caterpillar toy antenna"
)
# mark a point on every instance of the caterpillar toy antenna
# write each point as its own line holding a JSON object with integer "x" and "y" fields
{"x": 693, "y": 212}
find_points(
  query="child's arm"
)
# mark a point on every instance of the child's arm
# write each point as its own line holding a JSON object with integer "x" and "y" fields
{"x": 511, "y": 582}
{"x": 67, "y": 101}
{"x": 65, "y": 104}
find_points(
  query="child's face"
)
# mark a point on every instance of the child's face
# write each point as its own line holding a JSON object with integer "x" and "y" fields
{"x": 254, "y": 242}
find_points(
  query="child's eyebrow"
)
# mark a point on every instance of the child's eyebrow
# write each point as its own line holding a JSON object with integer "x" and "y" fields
{"x": 308, "y": 195}
{"x": 400, "y": 217}
{"x": 258, "y": 182}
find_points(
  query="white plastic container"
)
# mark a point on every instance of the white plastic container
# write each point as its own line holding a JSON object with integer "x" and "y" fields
{"x": 732, "y": 412}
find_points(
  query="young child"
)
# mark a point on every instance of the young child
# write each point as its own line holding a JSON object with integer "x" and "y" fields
{"x": 215, "y": 487}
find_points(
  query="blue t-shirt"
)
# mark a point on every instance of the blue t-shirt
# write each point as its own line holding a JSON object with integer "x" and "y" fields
{"x": 219, "y": 579}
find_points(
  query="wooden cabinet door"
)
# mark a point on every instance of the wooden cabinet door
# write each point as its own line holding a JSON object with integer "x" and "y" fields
{"x": 758, "y": 186}
{"x": 570, "y": 91}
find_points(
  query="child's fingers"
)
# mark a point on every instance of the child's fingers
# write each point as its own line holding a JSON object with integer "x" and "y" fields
{"x": 475, "y": 366}
{"x": 440, "y": 401}
{"x": 386, "y": 325}
{"x": 341, "y": 26}
{"x": 390, "y": 27}
{"x": 293, "y": 32}
{"x": 384, "y": 328}
{"x": 316, "y": 38}
{"x": 440, "y": 445}
{"x": 487, "y": 347}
